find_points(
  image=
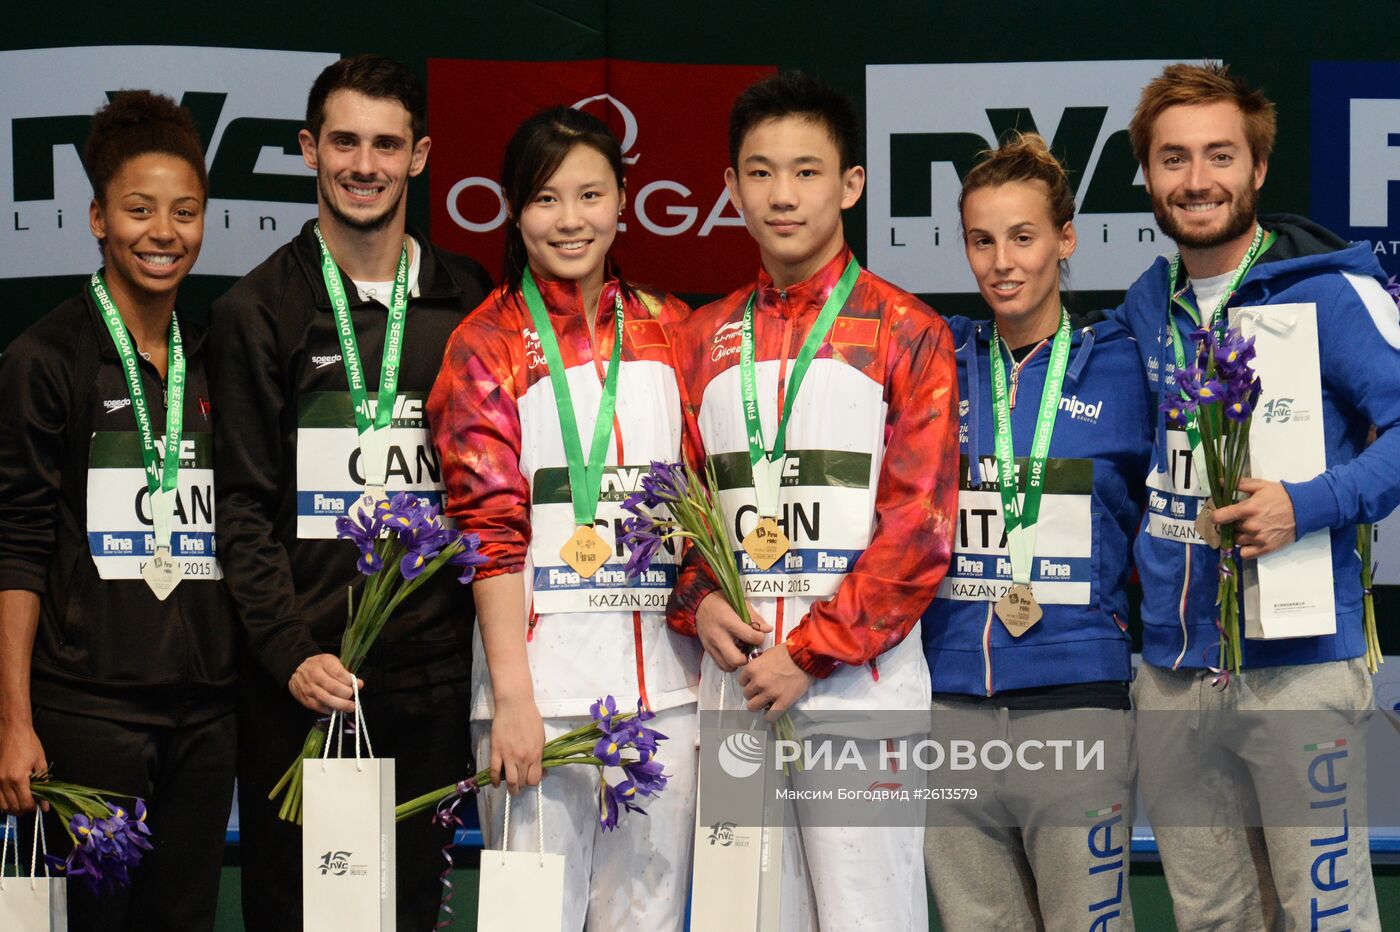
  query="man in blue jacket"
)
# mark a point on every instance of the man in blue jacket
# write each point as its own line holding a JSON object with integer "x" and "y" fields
{"x": 1203, "y": 139}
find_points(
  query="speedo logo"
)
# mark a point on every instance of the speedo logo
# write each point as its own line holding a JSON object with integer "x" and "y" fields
{"x": 320, "y": 362}
{"x": 1081, "y": 411}
{"x": 116, "y": 404}
{"x": 720, "y": 346}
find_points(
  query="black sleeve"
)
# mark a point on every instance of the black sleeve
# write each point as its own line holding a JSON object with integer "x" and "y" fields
{"x": 36, "y": 388}
{"x": 244, "y": 366}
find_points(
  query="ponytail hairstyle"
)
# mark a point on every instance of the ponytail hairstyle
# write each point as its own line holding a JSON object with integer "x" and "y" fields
{"x": 534, "y": 153}
{"x": 1024, "y": 157}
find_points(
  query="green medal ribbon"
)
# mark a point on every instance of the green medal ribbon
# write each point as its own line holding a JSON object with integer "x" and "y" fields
{"x": 767, "y": 465}
{"x": 585, "y": 477}
{"x": 162, "y": 472}
{"x": 1177, "y": 295}
{"x": 374, "y": 433}
{"x": 1021, "y": 518}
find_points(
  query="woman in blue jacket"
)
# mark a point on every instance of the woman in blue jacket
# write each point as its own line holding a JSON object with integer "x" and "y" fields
{"x": 1027, "y": 640}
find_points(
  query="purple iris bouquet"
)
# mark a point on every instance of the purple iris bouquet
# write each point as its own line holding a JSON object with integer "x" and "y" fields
{"x": 1220, "y": 390}
{"x": 675, "y": 503}
{"x": 108, "y": 840}
{"x": 402, "y": 544}
{"x": 611, "y": 739}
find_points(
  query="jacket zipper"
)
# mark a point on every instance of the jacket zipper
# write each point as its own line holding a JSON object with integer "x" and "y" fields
{"x": 987, "y": 651}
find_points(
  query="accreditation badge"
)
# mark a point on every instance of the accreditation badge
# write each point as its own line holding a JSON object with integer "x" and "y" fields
{"x": 330, "y": 472}
{"x": 121, "y": 534}
{"x": 825, "y": 510}
{"x": 1175, "y": 494}
{"x": 561, "y": 587}
{"x": 1062, "y": 572}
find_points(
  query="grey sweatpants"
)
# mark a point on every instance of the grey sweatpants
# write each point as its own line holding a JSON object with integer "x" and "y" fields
{"x": 1259, "y": 812}
{"x": 1038, "y": 848}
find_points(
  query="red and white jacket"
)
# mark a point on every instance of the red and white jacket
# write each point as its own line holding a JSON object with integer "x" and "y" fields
{"x": 497, "y": 433}
{"x": 869, "y": 494}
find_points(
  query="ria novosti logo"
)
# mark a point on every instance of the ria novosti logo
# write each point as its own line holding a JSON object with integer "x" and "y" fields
{"x": 679, "y": 232}
{"x": 260, "y": 191}
{"x": 927, "y": 124}
{"x": 741, "y": 754}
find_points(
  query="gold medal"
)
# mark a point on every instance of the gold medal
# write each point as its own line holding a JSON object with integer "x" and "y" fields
{"x": 585, "y": 552}
{"x": 766, "y": 543}
{"x": 1018, "y": 610}
{"x": 1208, "y": 529}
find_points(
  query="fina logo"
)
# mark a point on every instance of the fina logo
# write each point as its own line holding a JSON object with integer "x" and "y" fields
{"x": 741, "y": 754}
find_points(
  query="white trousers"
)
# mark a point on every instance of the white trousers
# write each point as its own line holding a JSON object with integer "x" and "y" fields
{"x": 635, "y": 877}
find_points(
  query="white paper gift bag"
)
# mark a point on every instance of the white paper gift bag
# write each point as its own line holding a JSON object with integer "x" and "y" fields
{"x": 347, "y": 843}
{"x": 31, "y": 903}
{"x": 520, "y": 889}
{"x": 1288, "y": 593}
{"x": 739, "y": 835}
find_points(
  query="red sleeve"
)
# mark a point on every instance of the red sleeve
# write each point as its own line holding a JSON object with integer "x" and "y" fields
{"x": 915, "y": 509}
{"x": 694, "y": 580}
{"x": 476, "y": 428}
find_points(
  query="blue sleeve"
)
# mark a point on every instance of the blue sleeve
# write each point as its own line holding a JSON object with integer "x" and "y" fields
{"x": 1359, "y": 337}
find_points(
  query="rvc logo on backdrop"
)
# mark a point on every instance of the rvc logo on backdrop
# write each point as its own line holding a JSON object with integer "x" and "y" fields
{"x": 926, "y": 124}
{"x": 1355, "y": 121}
{"x": 679, "y": 231}
{"x": 248, "y": 105}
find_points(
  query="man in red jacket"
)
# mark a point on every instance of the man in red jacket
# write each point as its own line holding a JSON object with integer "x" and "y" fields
{"x": 826, "y": 399}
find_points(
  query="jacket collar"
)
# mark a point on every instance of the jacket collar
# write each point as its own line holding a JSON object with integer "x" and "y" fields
{"x": 435, "y": 281}
{"x": 191, "y": 335}
{"x": 806, "y": 296}
{"x": 564, "y": 298}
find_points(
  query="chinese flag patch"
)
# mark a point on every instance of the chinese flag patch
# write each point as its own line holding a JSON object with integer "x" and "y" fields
{"x": 857, "y": 331}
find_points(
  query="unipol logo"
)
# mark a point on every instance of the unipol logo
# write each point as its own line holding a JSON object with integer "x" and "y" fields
{"x": 926, "y": 126}
{"x": 260, "y": 191}
{"x": 678, "y": 229}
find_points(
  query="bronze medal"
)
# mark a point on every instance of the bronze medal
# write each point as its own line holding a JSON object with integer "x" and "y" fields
{"x": 1018, "y": 610}
{"x": 766, "y": 543}
{"x": 162, "y": 573}
{"x": 585, "y": 551}
{"x": 1208, "y": 529}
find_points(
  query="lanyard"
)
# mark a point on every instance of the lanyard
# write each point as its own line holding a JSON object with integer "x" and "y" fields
{"x": 767, "y": 465}
{"x": 1257, "y": 247}
{"x": 1021, "y": 518}
{"x": 162, "y": 473}
{"x": 374, "y": 434}
{"x": 585, "y": 477}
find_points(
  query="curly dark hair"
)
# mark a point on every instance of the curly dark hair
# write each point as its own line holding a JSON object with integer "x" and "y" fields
{"x": 140, "y": 123}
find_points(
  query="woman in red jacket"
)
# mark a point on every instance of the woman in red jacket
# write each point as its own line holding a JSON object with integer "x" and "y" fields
{"x": 554, "y": 396}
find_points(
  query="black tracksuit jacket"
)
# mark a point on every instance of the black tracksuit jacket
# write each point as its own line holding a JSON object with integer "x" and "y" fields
{"x": 106, "y": 648}
{"x": 291, "y": 592}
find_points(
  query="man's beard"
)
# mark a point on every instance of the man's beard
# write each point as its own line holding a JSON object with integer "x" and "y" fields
{"x": 363, "y": 224}
{"x": 1243, "y": 207}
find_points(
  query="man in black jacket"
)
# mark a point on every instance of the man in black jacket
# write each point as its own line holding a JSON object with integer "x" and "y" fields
{"x": 291, "y": 460}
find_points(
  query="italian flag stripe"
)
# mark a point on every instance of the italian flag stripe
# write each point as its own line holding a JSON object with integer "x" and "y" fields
{"x": 1326, "y": 745}
{"x": 1100, "y": 813}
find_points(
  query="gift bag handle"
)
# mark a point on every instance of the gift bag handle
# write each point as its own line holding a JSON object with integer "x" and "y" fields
{"x": 539, "y": 823}
{"x": 12, "y": 828}
{"x": 360, "y": 729}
